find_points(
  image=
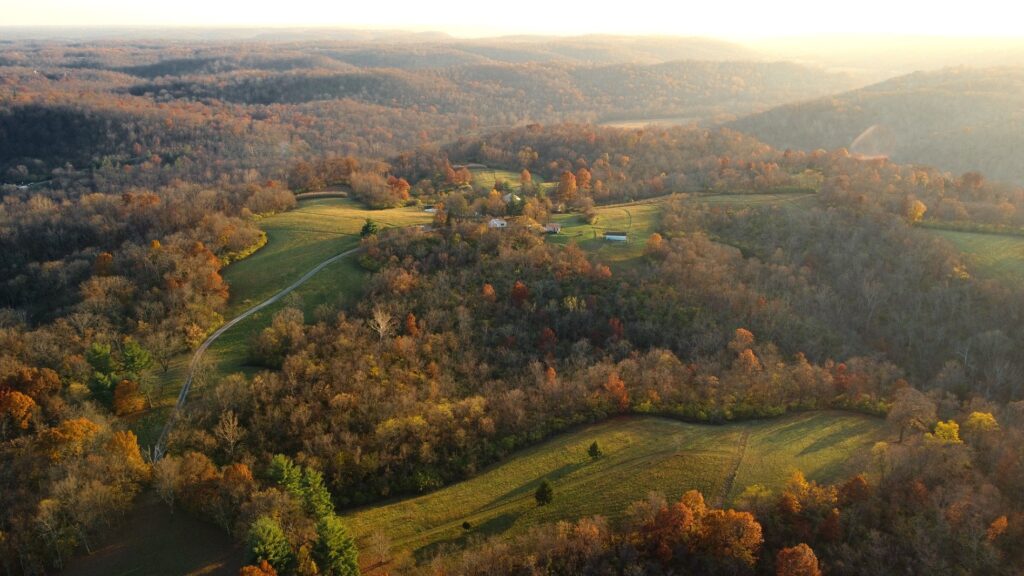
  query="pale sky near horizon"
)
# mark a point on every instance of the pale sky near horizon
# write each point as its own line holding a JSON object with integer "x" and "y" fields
{"x": 722, "y": 18}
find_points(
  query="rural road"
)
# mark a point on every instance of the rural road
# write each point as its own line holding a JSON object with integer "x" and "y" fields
{"x": 161, "y": 443}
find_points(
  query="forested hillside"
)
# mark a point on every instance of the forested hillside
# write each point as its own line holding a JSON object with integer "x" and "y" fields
{"x": 535, "y": 92}
{"x": 93, "y": 113}
{"x": 538, "y": 275}
{"x": 957, "y": 119}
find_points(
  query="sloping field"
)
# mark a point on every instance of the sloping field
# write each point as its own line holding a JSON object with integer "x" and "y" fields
{"x": 641, "y": 454}
{"x": 999, "y": 256}
{"x": 786, "y": 199}
{"x": 487, "y": 177}
{"x": 638, "y": 220}
{"x": 299, "y": 239}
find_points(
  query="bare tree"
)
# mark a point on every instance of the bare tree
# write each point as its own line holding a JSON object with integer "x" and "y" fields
{"x": 203, "y": 372}
{"x": 163, "y": 346}
{"x": 382, "y": 322}
{"x": 229, "y": 432}
{"x": 166, "y": 479}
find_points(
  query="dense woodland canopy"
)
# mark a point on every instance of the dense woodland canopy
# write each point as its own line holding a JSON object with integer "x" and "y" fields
{"x": 134, "y": 174}
{"x": 214, "y": 112}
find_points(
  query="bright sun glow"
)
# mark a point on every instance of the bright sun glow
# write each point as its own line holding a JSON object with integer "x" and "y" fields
{"x": 726, "y": 18}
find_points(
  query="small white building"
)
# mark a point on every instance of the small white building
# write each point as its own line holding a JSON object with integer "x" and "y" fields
{"x": 616, "y": 237}
{"x": 497, "y": 223}
{"x": 553, "y": 228}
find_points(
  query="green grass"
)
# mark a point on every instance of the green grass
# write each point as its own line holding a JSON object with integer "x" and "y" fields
{"x": 335, "y": 286}
{"x": 797, "y": 199}
{"x": 297, "y": 241}
{"x": 486, "y": 178}
{"x": 996, "y": 256}
{"x": 300, "y": 239}
{"x": 641, "y": 454}
{"x": 639, "y": 220}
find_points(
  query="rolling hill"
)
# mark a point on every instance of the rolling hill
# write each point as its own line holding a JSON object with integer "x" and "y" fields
{"x": 640, "y": 455}
{"x": 501, "y": 93}
{"x": 957, "y": 119}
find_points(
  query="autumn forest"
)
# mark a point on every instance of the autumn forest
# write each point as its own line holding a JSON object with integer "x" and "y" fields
{"x": 513, "y": 306}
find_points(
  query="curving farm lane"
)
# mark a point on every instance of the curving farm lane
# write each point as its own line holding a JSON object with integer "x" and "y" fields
{"x": 161, "y": 444}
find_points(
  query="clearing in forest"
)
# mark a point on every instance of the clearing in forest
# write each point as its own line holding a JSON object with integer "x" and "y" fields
{"x": 637, "y": 219}
{"x": 641, "y": 454}
{"x": 297, "y": 241}
{"x": 642, "y": 218}
{"x": 999, "y": 256}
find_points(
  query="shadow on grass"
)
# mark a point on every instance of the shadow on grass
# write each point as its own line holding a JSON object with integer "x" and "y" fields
{"x": 529, "y": 487}
{"x": 830, "y": 440}
{"x": 492, "y": 527}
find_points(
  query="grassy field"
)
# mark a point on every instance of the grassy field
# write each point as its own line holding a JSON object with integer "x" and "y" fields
{"x": 300, "y": 239}
{"x": 297, "y": 241}
{"x": 797, "y": 200}
{"x": 487, "y": 177}
{"x": 639, "y": 220}
{"x": 992, "y": 255}
{"x": 640, "y": 455}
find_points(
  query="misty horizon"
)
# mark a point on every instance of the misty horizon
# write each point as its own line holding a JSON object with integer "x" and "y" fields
{"x": 734, "y": 19}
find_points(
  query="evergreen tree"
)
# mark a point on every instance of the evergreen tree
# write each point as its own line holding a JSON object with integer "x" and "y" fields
{"x": 104, "y": 371}
{"x": 335, "y": 552}
{"x": 267, "y": 542}
{"x": 544, "y": 493}
{"x": 134, "y": 359}
{"x": 287, "y": 475}
{"x": 594, "y": 451}
{"x": 316, "y": 497}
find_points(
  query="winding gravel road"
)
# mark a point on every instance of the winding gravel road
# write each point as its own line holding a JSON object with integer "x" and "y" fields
{"x": 161, "y": 444}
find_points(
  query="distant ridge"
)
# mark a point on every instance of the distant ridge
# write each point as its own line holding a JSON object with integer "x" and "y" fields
{"x": 958, "y": 119}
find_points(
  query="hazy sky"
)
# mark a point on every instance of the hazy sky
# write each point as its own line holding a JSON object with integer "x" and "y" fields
{"x": 725, "y": 18}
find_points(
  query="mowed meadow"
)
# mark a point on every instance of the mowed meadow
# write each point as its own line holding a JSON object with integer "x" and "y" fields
{"x": 641, "y": 219}
{"x": 638, "y": 220}
{"x": 640, "y": 455}
{"x": 300, "y": 239}
{"x": 997, "y": 256}
{"x": 297, "y": 241}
